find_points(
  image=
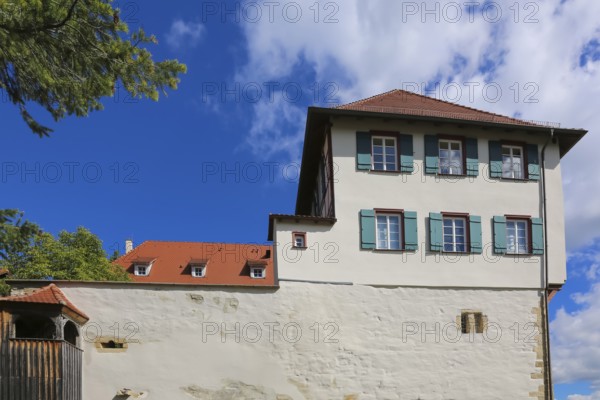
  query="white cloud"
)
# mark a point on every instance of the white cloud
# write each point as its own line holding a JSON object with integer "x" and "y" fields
{"x": 576, "y": 343}
{"x": 593, "y": 272}
{"x": 380, "y": 45}
{"x": 184, "y": 34}
{"x": 594, "y": 396}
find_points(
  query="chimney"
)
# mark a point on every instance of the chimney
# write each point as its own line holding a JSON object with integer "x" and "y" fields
{"x": 128, "y": 245}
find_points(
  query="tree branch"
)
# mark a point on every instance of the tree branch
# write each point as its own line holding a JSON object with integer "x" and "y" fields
{"x": 43, "y": 27}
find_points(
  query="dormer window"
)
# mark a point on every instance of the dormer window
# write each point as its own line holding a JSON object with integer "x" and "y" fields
{"x": 143, "y": 265}
{"x": 257, "y": 272}
{"x": 142, "y": 270}
{"x": 198, "y": 270}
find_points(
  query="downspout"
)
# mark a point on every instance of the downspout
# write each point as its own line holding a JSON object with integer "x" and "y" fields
{"x": 546, "y": 316}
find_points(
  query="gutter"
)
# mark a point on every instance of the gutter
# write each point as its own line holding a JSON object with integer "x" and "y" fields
{"x": 547, "y": 361}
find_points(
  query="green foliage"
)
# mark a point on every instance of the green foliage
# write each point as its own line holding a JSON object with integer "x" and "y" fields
{"x": 114, "y": 256}
{"x": 4, "y": 288}
{"x": 71, "y": 256}
{"x": 15, "y": 235}
{"x": 67, "y": 54}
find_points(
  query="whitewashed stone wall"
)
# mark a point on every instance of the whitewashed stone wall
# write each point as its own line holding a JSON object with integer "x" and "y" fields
{"x": 356, "y": 342}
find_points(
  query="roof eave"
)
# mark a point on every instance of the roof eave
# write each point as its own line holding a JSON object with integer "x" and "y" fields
{"x": 297, "y": 218}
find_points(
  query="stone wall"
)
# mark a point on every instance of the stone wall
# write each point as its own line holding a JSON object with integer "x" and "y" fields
{"x": 307, "y": 341}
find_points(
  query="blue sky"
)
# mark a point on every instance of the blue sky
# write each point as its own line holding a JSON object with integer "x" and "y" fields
{"x": 214, "y": 158}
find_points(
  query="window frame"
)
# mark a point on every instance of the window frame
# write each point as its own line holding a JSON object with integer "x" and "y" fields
{"x": 528, "y": 234}
{"x": 467, "y": 232}
{"x": 390, "y": 212}
{"x": 386, "y": 135}
{"x": 299, "y": 235}
{"x": 194, "y": 267}
{"x": 463, "y": 155}
{"x": 524, "y": 165}
{"x": 136, "y": 269}
{"x": 263, "y": 272}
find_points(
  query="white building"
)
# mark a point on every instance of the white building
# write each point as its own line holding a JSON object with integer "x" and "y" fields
{"x": 428, "y": 238}
{"x": 445, "y": 202}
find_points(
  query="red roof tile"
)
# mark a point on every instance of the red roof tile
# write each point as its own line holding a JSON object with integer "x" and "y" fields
{"x": 3, "y": 272}
{"x": 408, "y": 103}
{"x": 226, "y": 263}
{"x": 50, "y": 294}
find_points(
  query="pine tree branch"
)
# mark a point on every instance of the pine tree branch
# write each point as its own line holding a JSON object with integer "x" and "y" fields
{"x": 43, "y": 27}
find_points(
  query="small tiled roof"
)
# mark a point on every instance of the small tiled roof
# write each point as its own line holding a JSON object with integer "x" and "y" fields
{"x": 50, "y": 294}
{"x": 226, "y": 263}
{"x": 3, "y": 272}
{"x": 408, "y": 103}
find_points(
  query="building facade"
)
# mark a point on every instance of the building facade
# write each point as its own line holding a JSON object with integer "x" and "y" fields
{"x": 427, "y": 240}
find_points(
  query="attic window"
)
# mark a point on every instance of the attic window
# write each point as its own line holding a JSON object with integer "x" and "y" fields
{"x": 198, "y": 270}
{"x": 257, "y": 272}
{"x": 472, "y": 322}
{"x": 142, "y": 269}
{"x": 111, "y": 344}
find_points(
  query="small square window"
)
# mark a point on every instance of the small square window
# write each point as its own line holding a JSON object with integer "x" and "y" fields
{"x": 383, "y": 150}
{"x": 198, "y": 271}
{"x": 451, "y": 157}
{"x": 141, "y": 270}
{"x": 472, "y": 322}
{"x": 257, "y": 273}
{"x": 299, "y": 240}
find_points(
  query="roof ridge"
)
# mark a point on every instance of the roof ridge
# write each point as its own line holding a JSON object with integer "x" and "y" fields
{"x": 367, "y": 98}
{"x": 460, "y": 105}
{"x": 422, "y": 96}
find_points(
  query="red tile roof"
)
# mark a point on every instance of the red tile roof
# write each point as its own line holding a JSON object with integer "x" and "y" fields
{"x": 50, "y": 294}
{"x": 3, "y": 272}
{"x": 226, "y": 263}
{"x": 408, "y": 103}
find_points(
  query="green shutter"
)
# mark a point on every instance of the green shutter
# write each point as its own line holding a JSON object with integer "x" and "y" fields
{"x": 472, "y": 157}
{"x": 499, "y": 235}
{"x": 495, "y": 159}
{"x": 475, "y": 233}
{"x": 435, "y": 232}
{"x": 533, "y": 162}
{"x": 411, "y": 241}
{"x": 537, "y": 236}
{"x": 431, "y": 154}
{"x": 406, "y": 153}
{"x": 363, "y": 150}
{"x": 367, "y": 229}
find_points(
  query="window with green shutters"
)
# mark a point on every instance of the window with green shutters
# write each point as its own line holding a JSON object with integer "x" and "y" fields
{"x": 388, "y": 229}
{"x": 514, "y": 160}
{"x": 451, "y": 155}
{"x": 455, "y": 233}
{"x": 384, "y": 151}
{"x": 518, "y": 235}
